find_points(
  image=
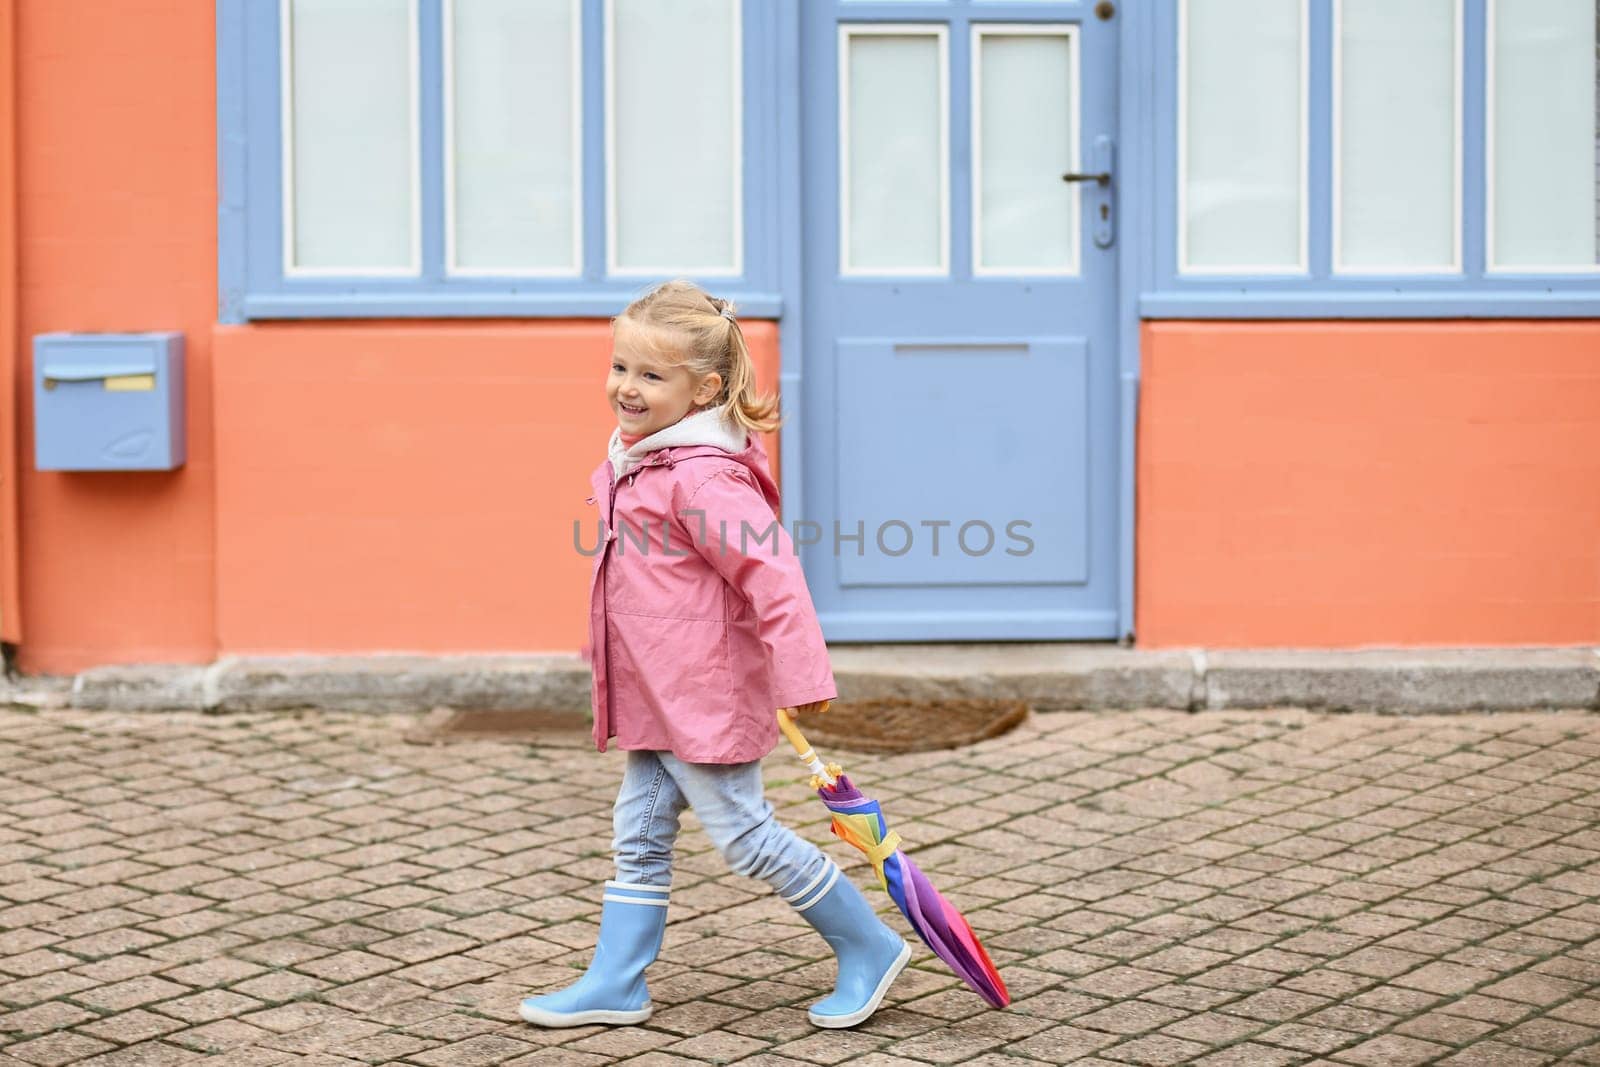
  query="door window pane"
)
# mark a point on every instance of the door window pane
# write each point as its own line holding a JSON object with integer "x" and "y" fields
{"x": 1544, "y": 158}
{"x": 1027, "y": 134}
{"x": 350, "y": 152}
{"x": 1396, "y": 135}
{"x": 673, "y": 137}
{"x": 893, "y": 107}
{"x": 514, "y": 121}
{"x": 1241, "y": 126}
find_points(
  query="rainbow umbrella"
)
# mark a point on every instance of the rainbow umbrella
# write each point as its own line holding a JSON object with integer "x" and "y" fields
{"x": 859, "y": 820}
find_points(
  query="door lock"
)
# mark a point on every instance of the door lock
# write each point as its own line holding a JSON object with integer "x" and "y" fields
{"x": 1103, "y": 157}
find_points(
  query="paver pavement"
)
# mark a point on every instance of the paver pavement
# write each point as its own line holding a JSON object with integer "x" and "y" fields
{"x": 1262, "y": 888}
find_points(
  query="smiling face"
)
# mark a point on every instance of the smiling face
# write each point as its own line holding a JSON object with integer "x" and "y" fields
{"x": 647, "y": 392}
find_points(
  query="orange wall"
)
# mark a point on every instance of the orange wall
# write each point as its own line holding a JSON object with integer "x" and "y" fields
{"x": 10, "y": 616}
{"x": 1344, "y": 484}
{"x": 116, "y": 185}
{"x": 393, "y": 486}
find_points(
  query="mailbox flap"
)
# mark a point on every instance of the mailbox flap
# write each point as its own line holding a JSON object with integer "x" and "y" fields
{"x": 96, "y": 364}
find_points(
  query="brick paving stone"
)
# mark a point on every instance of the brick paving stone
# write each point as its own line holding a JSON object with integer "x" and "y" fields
{"x": 1551, "y": 1035}
{"x": 1533, "y": 989}
{"x": 1445, "y": 979}
{"x": 717, "y": 1047}
{"x": 1212, "y": 1028}
{"x": 381, "y": 1048}
{"x": 944, "y": 1046}
{"x": 41, "y": 1018}
{"x": 1491, "y": 1009}
{"x": 1584, "y": 1010}
{"x": 1495, "y": 1054}
{"x": 212, "y": 973}
{"x": 1129, "y": 1017}
{"x": 208, "y": 1006}
{"x": 1275, "y": 1005}
{"x": 278, "y": 987}
{"x": 559, "y": 1057}
{"x": 1446, "y": 1029}
{"x": 1391, "y": 1050}
{"x": 1063, "y": 1044}
{"x": 775, "y": 1024}
{"x": 1156, "y": 1051}
{"x": 622, "y": 1041}
{"x": 131, "y": 1027}
{"x": 219, "y": 1036}
{"x": 838, "y": 1046}
{"x": 297, "y": 1016}
{"x": 53, "y": 1050}
{"x": 122, "y": 996}
{"x": 1306, "y": 1037}
{"x": 1395, "y": 1000}
{"x": 248, "y": 1057}
{"x": 1250, "y": 1054}
{"x": 146, "y": 1054}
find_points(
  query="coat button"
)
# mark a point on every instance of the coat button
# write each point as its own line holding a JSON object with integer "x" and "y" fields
{"x": 590, "y": 500}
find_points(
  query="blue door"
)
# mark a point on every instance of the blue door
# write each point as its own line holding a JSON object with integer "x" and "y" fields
{"x": 960, "y": 397}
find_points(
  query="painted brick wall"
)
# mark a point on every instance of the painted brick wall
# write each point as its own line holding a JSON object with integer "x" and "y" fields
{"x": 413, "y": 486}
{"x": 116, "y": 185}
{"x": 1349, "y": 484}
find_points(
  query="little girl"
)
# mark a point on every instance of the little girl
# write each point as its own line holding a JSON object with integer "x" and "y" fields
{"x": 701, "y": 627}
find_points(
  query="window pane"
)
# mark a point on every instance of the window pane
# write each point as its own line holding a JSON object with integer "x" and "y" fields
{"x": 894, "y": 181}
{"x": 1543, "y": 164}
{"x": 675, "y": 140}
{"x": 1242, "y": 134}
{"x": 350, "y": 144}
{"x": 514, "y": 117}
{"x": 1397, "y": 134}
{"x": 1027, "y": 130}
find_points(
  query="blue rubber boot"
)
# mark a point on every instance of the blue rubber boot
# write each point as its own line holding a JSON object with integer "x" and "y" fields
{"x": 870, "y": 954}
{"x": 611, "y": 992}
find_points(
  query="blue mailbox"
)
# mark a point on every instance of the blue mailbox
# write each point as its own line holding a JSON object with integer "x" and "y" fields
{"x": 108, "y": 401}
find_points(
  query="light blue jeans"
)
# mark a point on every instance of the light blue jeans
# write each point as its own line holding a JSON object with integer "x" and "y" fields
{"x": 732, "y": 807}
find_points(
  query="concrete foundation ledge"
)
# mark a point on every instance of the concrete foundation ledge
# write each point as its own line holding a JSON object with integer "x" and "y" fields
{"x": 1049, "y": 676}
{"x": 401, "y": 683}
{"x": 138, "y": 687}
{"x": 1424, "y": 680}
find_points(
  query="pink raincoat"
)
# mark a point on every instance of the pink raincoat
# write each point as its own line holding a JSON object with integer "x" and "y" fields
{"x": 696, "y": 638}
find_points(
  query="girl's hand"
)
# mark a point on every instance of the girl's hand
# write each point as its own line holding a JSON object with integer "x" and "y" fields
{"x": 815, "y": 705}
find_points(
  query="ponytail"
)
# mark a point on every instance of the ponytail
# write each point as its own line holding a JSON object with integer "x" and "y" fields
{"x": 701, "y": 330}
{"x": 756, "y": 412}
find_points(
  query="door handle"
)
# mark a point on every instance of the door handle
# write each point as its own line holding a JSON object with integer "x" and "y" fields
{"x": 1102, "y": 213}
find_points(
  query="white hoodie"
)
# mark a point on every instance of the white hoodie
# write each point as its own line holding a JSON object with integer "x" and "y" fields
{"x": 706, "y": 427}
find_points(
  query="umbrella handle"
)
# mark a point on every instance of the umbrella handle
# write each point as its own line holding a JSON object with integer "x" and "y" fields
{"x": 802, "y": 747}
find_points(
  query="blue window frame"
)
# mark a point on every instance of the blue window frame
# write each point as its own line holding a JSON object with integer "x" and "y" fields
{"x": 1315, "y": 286}
{"x": 255, "y": 282}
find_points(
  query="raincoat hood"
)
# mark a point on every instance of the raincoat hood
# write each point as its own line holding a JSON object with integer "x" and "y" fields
{"x": 707, "y": 427}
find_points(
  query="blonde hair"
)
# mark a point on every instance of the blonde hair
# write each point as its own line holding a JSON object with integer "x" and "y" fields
{"x": 692, "y": 328}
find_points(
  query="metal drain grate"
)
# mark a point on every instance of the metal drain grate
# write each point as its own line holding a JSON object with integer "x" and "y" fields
{"x": 898, "y": 724}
